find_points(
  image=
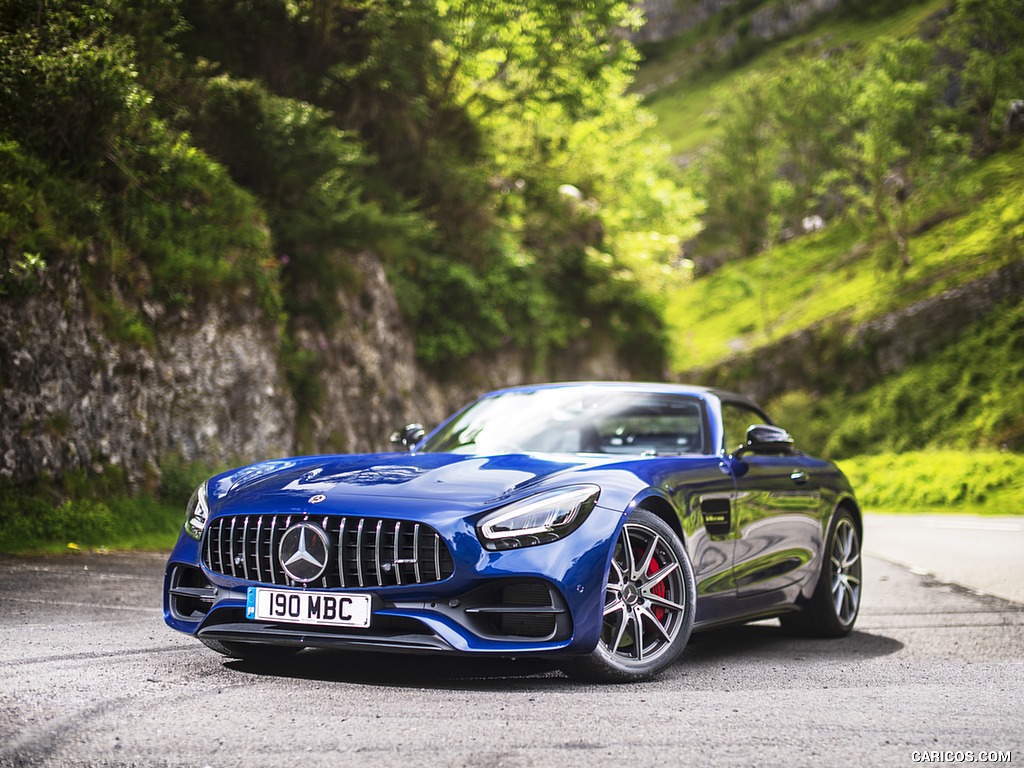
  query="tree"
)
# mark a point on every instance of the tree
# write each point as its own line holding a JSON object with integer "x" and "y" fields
{"x": 987, "y": 36}
{"x": 742, "y": 167}
{"x": 896, "y": 139}
{"x": 510, "y": 52}
{"x": 809, "y": 104}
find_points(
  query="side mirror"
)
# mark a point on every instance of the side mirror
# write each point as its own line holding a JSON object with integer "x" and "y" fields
{"x": 408, "y": 435}
{"x": 765, "y": 438}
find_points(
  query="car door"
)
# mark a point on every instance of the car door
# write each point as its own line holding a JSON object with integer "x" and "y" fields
{"x": 777, "y": 511}
{"x": 712, "y": 545}
{"x": 697, "y": 478}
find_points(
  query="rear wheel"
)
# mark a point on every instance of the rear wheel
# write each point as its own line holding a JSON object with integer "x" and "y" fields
{"x": 650, "y": 603}
{"x": 835, "y": 604}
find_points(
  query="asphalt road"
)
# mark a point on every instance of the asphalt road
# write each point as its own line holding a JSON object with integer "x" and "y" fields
{"x": 90, "y": 676}
{"x": 982, "y": 553}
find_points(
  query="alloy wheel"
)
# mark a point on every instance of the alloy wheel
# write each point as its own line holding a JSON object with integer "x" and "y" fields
{"x": 846, "y": 572}
{"x": 646, "y": 599}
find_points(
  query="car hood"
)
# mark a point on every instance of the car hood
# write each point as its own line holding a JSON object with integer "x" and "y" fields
{"x": 469, "y": 480}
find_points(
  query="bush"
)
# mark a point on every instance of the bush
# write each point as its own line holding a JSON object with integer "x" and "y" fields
{"x": 67, "y": 80}
{"x": 952, "y": 481}
{"x": 93, "y": 511}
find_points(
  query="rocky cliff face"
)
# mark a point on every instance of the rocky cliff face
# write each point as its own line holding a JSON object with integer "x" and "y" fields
{"x": 669, "y": 18}
{"x": 209, "y": 390}
{"x": 212, "y": 388}
{"x": 372, "y": 383}
{"x": 666, "y": 19}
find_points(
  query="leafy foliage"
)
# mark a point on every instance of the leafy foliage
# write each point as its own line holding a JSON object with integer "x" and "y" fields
{"x": 986, "y": 482}
{"x": 67, "y": 80}
{"x": 898, "y": 149}
{"x": 430, "y": 100}
{"x": 191, "y": 146}
{"x": 740, "y": 174}
{"x": 86, "y": 511}
{"x": 986, "y": 35}
{"x": 96, "y": 176}
{"x": 871, "y": 133}
{"x": 825, "y": 137}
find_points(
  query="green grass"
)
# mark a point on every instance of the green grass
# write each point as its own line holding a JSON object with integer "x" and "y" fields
{"x": 117, "y": 523}
{"x": 960, "y": 482}
{"x": 968, "y": 395}
{"x": 82, "y": 511}
{"x": 685, "y": 97}
{"x": 838, "y": 272}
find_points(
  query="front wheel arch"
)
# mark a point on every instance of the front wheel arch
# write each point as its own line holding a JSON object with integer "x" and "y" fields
{"x": 663, "y": 509}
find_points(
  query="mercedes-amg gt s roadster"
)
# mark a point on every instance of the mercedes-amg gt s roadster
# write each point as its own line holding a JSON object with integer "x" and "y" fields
{"x": 595, "y": 523}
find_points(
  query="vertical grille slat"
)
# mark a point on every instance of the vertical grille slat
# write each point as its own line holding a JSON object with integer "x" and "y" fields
{"x": 273, "y": 526}
{"x": 245, "y": 548}
{"x": 259, "y": 548}
{"x": 325, "y": 525}
{"x": 398, "y": 554}
{"x": 220, "y": 549}
{"x": 341, "y": 551}
{"x": 359, "y": 552}
{"x": 368, "y": 551}
{"x": 416, "y": 551}
{"x": 231, "y": 546}
{"x": 376, "y": 552}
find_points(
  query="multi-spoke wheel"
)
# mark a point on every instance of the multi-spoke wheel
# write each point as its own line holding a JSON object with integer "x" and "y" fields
{"x": 844, "y": 570}
{"x": 649, "y": 605}
{"x": 833, "y": 608}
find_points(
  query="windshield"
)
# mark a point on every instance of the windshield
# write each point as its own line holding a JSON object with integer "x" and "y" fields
{"x": 574, "y": 420}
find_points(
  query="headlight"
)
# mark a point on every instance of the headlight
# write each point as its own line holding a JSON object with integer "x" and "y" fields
{"x": 196, "y": 513}
{"x": 539, "y": 519}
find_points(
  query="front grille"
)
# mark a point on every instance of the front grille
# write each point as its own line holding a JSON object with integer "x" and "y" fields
{"x": 365, "y": 551}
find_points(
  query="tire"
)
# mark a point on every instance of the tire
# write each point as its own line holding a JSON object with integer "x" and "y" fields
{"x": 651, "y": 593}
{"x": 833, "y": 608}
{"x": 250, "y": 651}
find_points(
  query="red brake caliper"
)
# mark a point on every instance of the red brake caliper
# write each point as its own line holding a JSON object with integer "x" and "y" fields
{"x": 658, "y": 589}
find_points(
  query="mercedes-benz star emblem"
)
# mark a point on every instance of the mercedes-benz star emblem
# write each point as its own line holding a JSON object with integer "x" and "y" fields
{"x": 303, "y": 552}
{"x": 317, "y": 499}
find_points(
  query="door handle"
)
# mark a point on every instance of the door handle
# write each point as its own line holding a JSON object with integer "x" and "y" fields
{"x": 798, "y": 476}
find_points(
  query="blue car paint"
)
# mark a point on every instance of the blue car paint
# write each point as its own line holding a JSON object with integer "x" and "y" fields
{"x": 452, "y": 492}
{"x": 577, "y": 565}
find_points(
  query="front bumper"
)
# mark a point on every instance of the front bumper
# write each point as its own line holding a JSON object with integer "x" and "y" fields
{"x": 543, "y": 599}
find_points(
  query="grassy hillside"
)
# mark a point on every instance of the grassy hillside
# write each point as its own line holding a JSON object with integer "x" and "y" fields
{"x": 942, "y": 433}
{"x": 841, "y": 272}
{"x": 685, "y": 89}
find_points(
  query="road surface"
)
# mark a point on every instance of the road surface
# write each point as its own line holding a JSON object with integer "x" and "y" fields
{"x": 982, "y": 553}
{"x": 90, "y": 676}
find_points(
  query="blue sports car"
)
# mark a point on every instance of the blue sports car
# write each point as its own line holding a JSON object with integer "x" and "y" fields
{"x": 596, "y": 523}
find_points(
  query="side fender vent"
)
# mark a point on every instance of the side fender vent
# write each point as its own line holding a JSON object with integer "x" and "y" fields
{"x": 717, "y": 514}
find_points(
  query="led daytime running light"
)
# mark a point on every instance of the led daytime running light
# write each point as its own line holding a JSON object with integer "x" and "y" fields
{"x": 197, "y": 513}
{"x": 539, "y": 519}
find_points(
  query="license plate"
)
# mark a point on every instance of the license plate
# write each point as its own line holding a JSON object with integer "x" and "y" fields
{"x": 292, "y": 607}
